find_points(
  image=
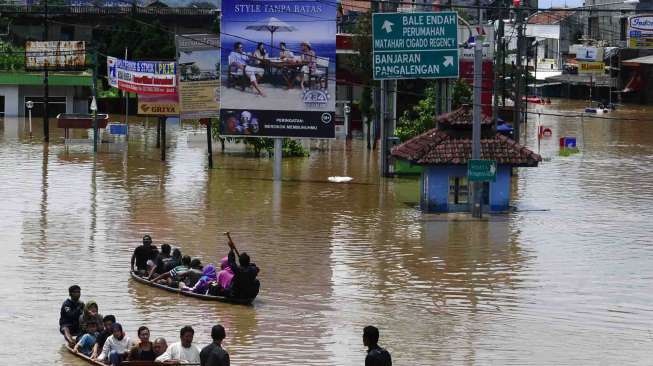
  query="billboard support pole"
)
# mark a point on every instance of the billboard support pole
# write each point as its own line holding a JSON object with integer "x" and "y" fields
{"x": 209, "y": 144}
{"x": 46, "y": 120}
{"x": 278, "y": 147}
{"x": 94, "y": 102}
{"x": 384, "y": 126}
{"x": 158, "y": 132}
{"x": 162, "y": 122}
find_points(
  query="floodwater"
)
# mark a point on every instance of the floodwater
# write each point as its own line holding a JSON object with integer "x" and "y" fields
{"x": 563, "y": 280}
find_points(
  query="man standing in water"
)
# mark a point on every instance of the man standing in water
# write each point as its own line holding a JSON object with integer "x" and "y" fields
{"x": 71, "y": 310}
{"x": 214, "y": 354}
{"x": 183, "y": 351}
{"x": 142, "y": 254}
{"x": 376, "y": 356}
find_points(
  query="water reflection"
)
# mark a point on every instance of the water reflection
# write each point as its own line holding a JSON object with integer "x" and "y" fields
{"x": 537, "y": 286}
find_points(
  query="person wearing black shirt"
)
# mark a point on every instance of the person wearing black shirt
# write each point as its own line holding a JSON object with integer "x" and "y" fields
{"x": 376, "y": 356}
{"x": 142, "y": 254}
{"x": 214, "y": 354}
{"x": 159, "y": 264}
{"x": 71, "y": 310}
{"x": 244, "y": 284}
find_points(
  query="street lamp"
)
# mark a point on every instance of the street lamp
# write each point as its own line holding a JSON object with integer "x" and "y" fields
{"x": 29, "y": 104}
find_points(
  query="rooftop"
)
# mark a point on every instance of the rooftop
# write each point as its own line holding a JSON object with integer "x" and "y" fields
{"x": 461, "y": 116}
{"x": 549, "y": 17}
{"x": 54, "y": 79}
{"x": 436, "y": 147}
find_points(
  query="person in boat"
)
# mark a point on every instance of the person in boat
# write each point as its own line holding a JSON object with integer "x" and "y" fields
{"x": 244, "y": 283}
{"x": 222, "y": 286}
{"x": 174, "y": 276}
{"x": 208, "y": 276}
{"x": 142, "y": 254}
{"x": 193, "y": 275}
{"x": 376, "y": 356}
{"x": 144, "y": 350}
{"x": 160, "y": 346}
{"x": 116, "y": 347}
{"x": 158, "y": 265}
{"x": 183, "y": 351}
{"x": 174, "y": 261}
{"x": 71, "y": 310}
{"x": 90, "y": 315}
{"x": 86, "y": 343}
{"x": 108, "y": 321}
{"x": 214, "y": 354}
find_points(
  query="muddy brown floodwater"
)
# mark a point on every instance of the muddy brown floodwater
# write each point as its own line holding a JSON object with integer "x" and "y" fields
{"x": 565, "y": 279}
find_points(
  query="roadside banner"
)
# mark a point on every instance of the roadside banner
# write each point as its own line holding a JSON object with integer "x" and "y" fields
{"x": 591, "y": 67}
{"x": 55, "y": 55}
{"x": 142, "y": 77}
{"x": 158, "y": 105}
{"x": 198, "y": 57}
{"x": 278, "y": 73}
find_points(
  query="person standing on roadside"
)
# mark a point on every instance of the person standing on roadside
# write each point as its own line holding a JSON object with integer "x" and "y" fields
{"x": 376, "y": 356}
{"x": 214, "y": 354}
{"x": 71, "y": 310}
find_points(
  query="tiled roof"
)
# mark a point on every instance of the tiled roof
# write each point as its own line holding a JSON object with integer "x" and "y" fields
{"x": 549, "y": 17}
{"x": 461, "y": 116}
{"x": 436, "y": 147}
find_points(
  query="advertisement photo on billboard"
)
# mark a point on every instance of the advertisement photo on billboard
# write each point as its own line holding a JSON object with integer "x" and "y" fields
{"x": 278, "y": 64}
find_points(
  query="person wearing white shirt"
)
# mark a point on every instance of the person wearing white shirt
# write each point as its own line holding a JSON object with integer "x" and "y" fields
{"x": 116, "y": 347}
{"x": 184, "y": 351}
{"x": 239, "y": 60}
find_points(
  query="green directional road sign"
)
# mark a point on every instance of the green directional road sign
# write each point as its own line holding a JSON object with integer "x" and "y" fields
{"x": 481, "y": 170}
{"x": 415, "y": 45}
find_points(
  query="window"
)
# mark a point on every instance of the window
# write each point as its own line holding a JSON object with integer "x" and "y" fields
{"x": 623, "y": 28}
{"x": 67, "y": 33}
{"x": 458, "y": 192}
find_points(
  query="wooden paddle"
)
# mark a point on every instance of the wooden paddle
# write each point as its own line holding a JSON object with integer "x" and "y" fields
{"x": 231, "y": 243}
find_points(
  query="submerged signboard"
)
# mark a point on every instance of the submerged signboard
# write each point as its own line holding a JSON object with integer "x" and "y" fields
{"x": 278, "y": 68}
{"x": 142, "y": 77}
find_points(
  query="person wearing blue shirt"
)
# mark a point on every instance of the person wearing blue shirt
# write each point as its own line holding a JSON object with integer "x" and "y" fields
{"x": 87, "y": 341}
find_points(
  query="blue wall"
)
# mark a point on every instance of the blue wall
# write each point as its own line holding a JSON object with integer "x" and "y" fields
{"x": 434, "y": 188}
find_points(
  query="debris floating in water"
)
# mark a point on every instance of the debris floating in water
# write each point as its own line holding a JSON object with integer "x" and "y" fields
{"x": 340, "y": 179}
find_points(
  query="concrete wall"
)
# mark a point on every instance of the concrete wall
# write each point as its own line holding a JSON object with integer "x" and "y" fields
{"x": 434, "y": 188}
{"x": 10, "y": 92}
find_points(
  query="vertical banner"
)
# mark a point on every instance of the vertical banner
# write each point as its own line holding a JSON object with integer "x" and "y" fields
{"x": 198, "y": 57}
{"x": 278, "y": 68}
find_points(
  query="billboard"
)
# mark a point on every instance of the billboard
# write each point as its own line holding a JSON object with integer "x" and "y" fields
{"x": 202, "y": 4}
{"x": 589, "y": 53}
{"x": 158, "y": 105}
{"x": 278, "y": 68}
{"x": 591, "y": 67}
{"x": 55, "y": 55}
{"x": 142, "y": 77}
{"x": 640, "y": 32}
{"x": 198, "y": 59}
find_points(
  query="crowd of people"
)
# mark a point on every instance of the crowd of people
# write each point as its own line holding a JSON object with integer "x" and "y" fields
{"x": 169, "y": 267}
{"x": 103, "y": 338}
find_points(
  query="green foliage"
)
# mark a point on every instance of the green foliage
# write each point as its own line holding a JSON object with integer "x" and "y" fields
{"x": 420, "y": 118}
{"x": 11, "y": 58}
{"x": 462, "y": 94}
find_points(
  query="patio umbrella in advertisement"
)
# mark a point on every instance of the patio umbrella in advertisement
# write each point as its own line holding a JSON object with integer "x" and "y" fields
{"x": 272, "y": 25}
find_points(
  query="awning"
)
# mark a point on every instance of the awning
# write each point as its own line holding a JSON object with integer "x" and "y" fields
{"x": 646, "y": 60}
{"x": 542, "y": 75}
{"x": 634, "y": 84}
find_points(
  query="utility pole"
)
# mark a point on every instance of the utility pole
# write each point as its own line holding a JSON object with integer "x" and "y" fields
{"x": 477, "y": 206}
{"x": 46, "y": 120}
{"x": 94, "y": 106}
{"x": 519, "y": 72}
{"x": 498, "y": 40}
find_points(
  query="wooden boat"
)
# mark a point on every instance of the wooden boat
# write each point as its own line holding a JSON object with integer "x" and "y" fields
{"x": 226, "y": 299}
{"x": 99, "y": 363}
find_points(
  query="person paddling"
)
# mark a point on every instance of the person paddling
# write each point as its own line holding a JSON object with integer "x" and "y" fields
{"x": 71, "y": 310}
{"x": 244, "y": 283}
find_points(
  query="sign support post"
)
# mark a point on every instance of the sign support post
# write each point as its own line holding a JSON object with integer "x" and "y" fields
{"x": 278, "y": 149}
{"x": 209, "y": 142}
{"x": 162, "y": 122}
{"x": 46, "y": 119}
{"x": 94, "y": 106}
{"x": 477, "y": 208}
